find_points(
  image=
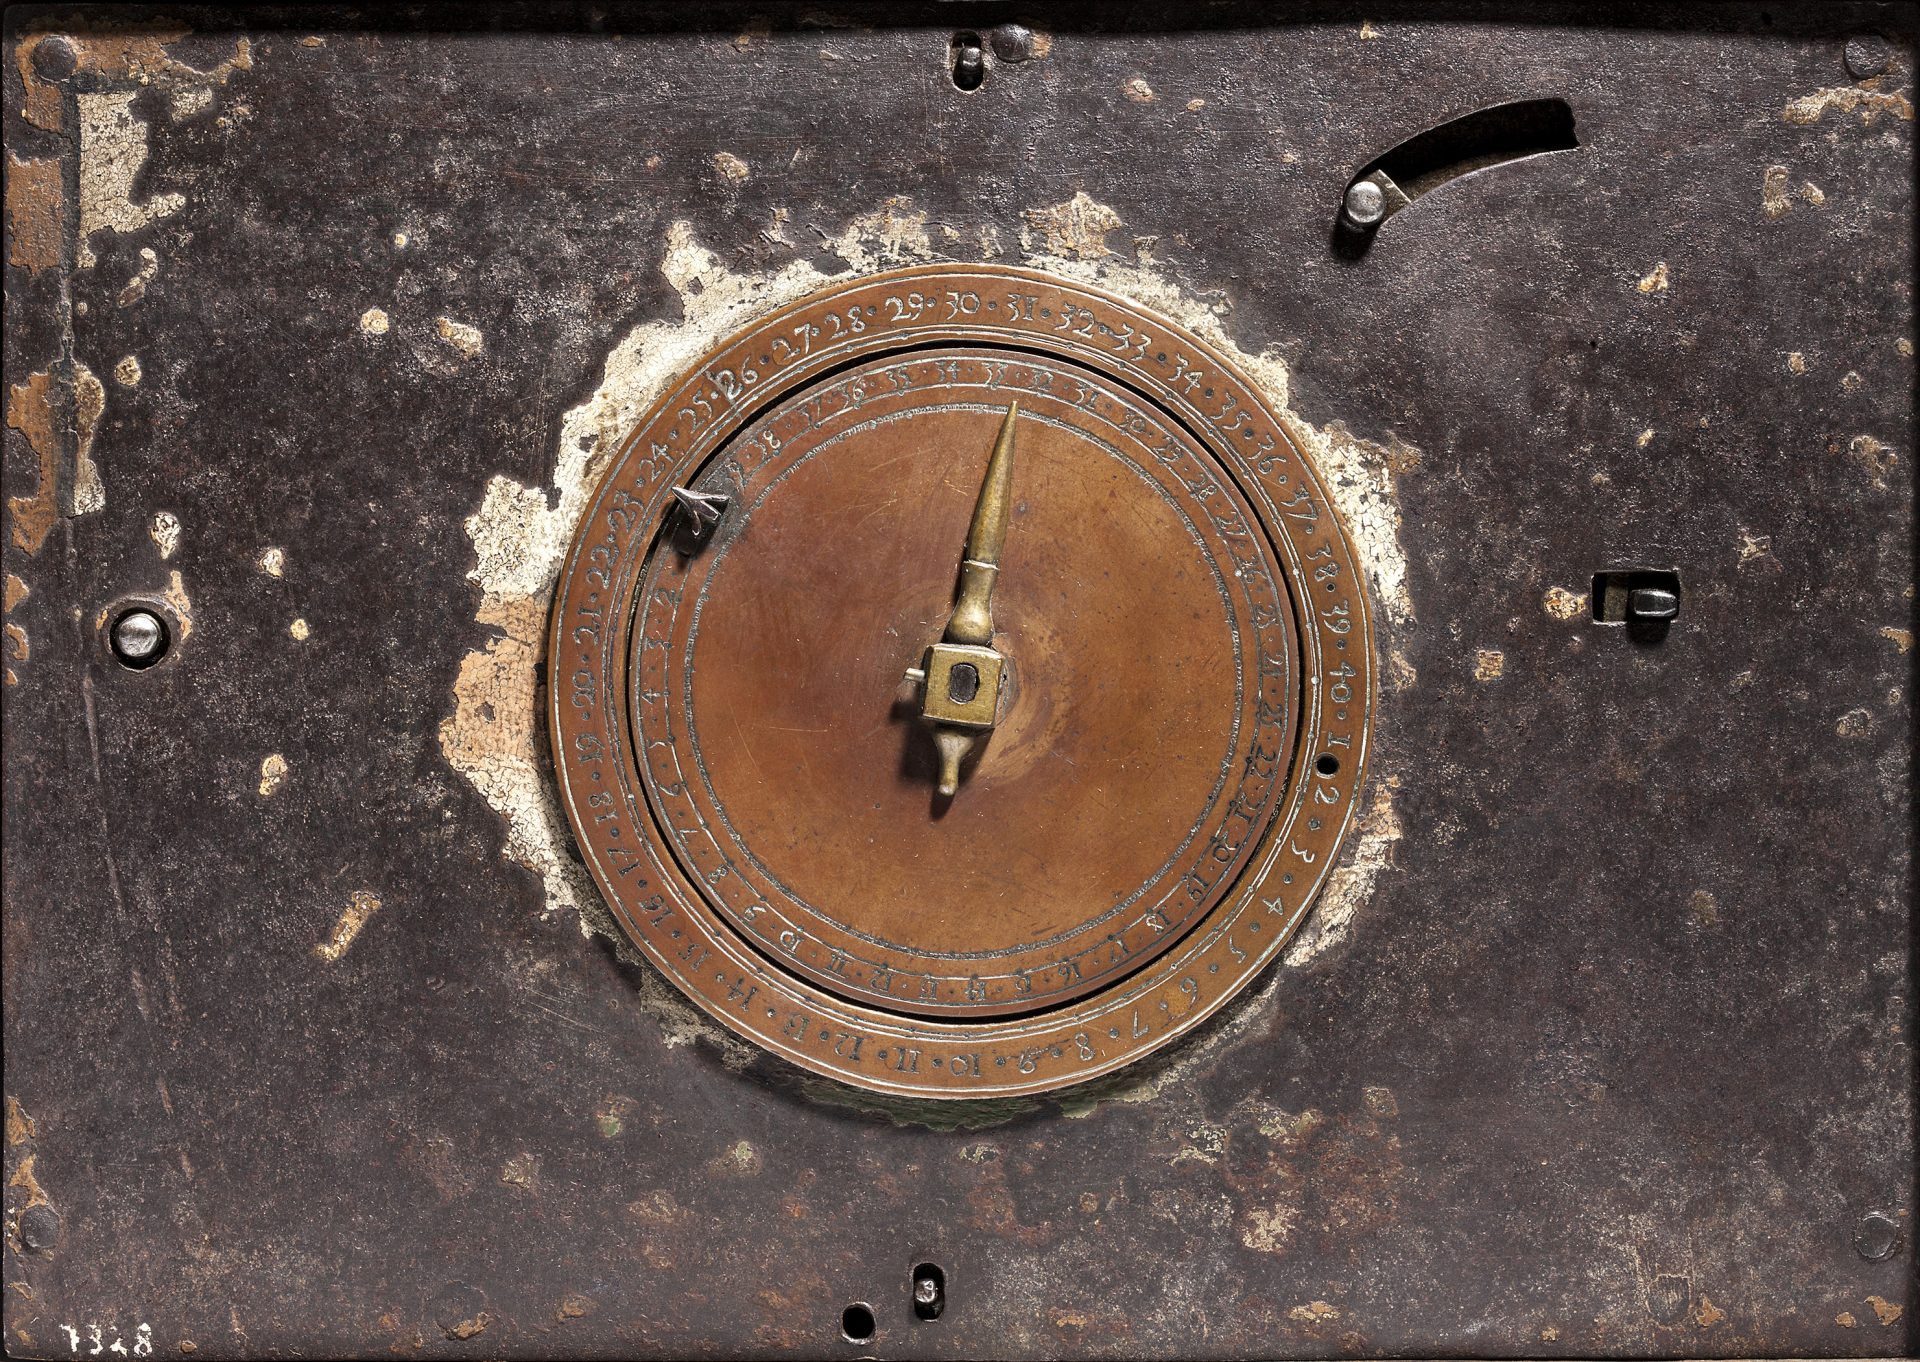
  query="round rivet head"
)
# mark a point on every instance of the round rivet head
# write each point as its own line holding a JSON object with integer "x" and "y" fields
{"x": 1876, "y": 1237}
{"x": 54, "y": 58}
{"x": 39, "y": 1228}
{"x": 1867, "y": 55}
{"x": 1366, "y": 204}
{"x": 1011, "y": 42}
{"x": 139, "y": 638}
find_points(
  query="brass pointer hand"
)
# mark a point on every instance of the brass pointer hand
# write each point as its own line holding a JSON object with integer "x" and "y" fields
{"x": 960, "y": 676}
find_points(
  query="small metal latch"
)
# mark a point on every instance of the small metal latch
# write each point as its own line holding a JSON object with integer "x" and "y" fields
{"x": 700, "y": 513}
{"x": 1646, "y": 600}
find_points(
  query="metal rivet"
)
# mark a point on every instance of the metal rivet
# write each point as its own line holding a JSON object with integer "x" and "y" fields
{"x": 139, "y": 638}
{"x": 1012, "y": 42}
{"x": 1867, "y": 55}
{"x": 39, "y": 1228}
{"x": 1877, "y": 1236}
{"x": 1365, "y": 204}
{"x": 55, "y": 59}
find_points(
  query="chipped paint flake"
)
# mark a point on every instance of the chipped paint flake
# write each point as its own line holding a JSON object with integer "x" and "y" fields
{"x": 1268, "y": 1228}
{"x": 466, "y": 339}
{"x": 1139, "y": 91}
{"x": 127, "y": 372}
{"x": 1657, "y": 280}
{"x": 1846, "y": 98}
{"x": 272, "y": 561}
{"x": 1314, "y": 1312}
{"x": 1489, "y": 664}
{"x": 113, "y": 148}
{"x": 730, "y": 167}
{"x": 164, "y": 530}
{"x": 300, "y": 629}
{"x": 374, "y": 321}
{"x": 362, "y": 906}
{"x": 273, "y": 774}
{"x": 1796, "y": 363}
{"x": 1899, "y": 638}
{"x": 1753, "y": 545}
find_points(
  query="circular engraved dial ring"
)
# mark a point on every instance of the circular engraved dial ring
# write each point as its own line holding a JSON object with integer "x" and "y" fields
{"x": 1120, "y": 792}
{"x": 1178, "y": 742}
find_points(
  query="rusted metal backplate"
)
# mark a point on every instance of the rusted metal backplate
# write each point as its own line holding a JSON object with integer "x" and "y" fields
{"x": 1601, "y": 1041}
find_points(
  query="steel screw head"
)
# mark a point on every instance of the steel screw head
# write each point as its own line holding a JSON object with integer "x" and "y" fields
{"x": 139, "y": 638}
{"x": 1877, "y": 1236}
{"x": 1366, "y": 204}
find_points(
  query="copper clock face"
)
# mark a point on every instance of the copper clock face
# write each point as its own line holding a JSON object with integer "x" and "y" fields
{"x": 961, "y": 682}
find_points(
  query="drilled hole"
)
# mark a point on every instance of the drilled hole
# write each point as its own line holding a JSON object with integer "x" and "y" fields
{"x": 1327, "y": 765}
{"x": 856, "y": 1323}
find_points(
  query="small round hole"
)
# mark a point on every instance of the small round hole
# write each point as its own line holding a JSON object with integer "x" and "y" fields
{"x": 856, "y": 1323}
{"x": 1327, "y": 765}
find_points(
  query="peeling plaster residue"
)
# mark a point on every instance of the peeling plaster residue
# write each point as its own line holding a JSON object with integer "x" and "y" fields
{"x": 466, "y": 339}
{"x": 273, "y": 774}
{"x": 363, "y": 905}
{"x": 165, "y": 532}
{"x": 89, "y": 402}
{"x": 520, "y": 534}
{"x": 113, "y": 148}
{"x": 1871, "y": 103}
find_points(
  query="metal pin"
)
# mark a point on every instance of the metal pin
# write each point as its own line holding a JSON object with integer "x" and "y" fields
{"x": 700, "y": 513}
{"x": 139, "y": 638}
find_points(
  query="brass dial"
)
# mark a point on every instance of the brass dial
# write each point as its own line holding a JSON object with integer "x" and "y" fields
{"x": 1138, "y": 682}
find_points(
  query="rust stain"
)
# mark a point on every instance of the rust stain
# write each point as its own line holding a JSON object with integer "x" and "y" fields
{"x": 364, "y": 904}
{"x": 35, "y": 197}
{"x": 1885, "y": 1310}
{"x": 19, "y": 649}
{"x": 1707, "y": 1314}
{"x": 30, "y": 411}
{"x": 20, "y": 1126}
{"x": 24, "y": 1179}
